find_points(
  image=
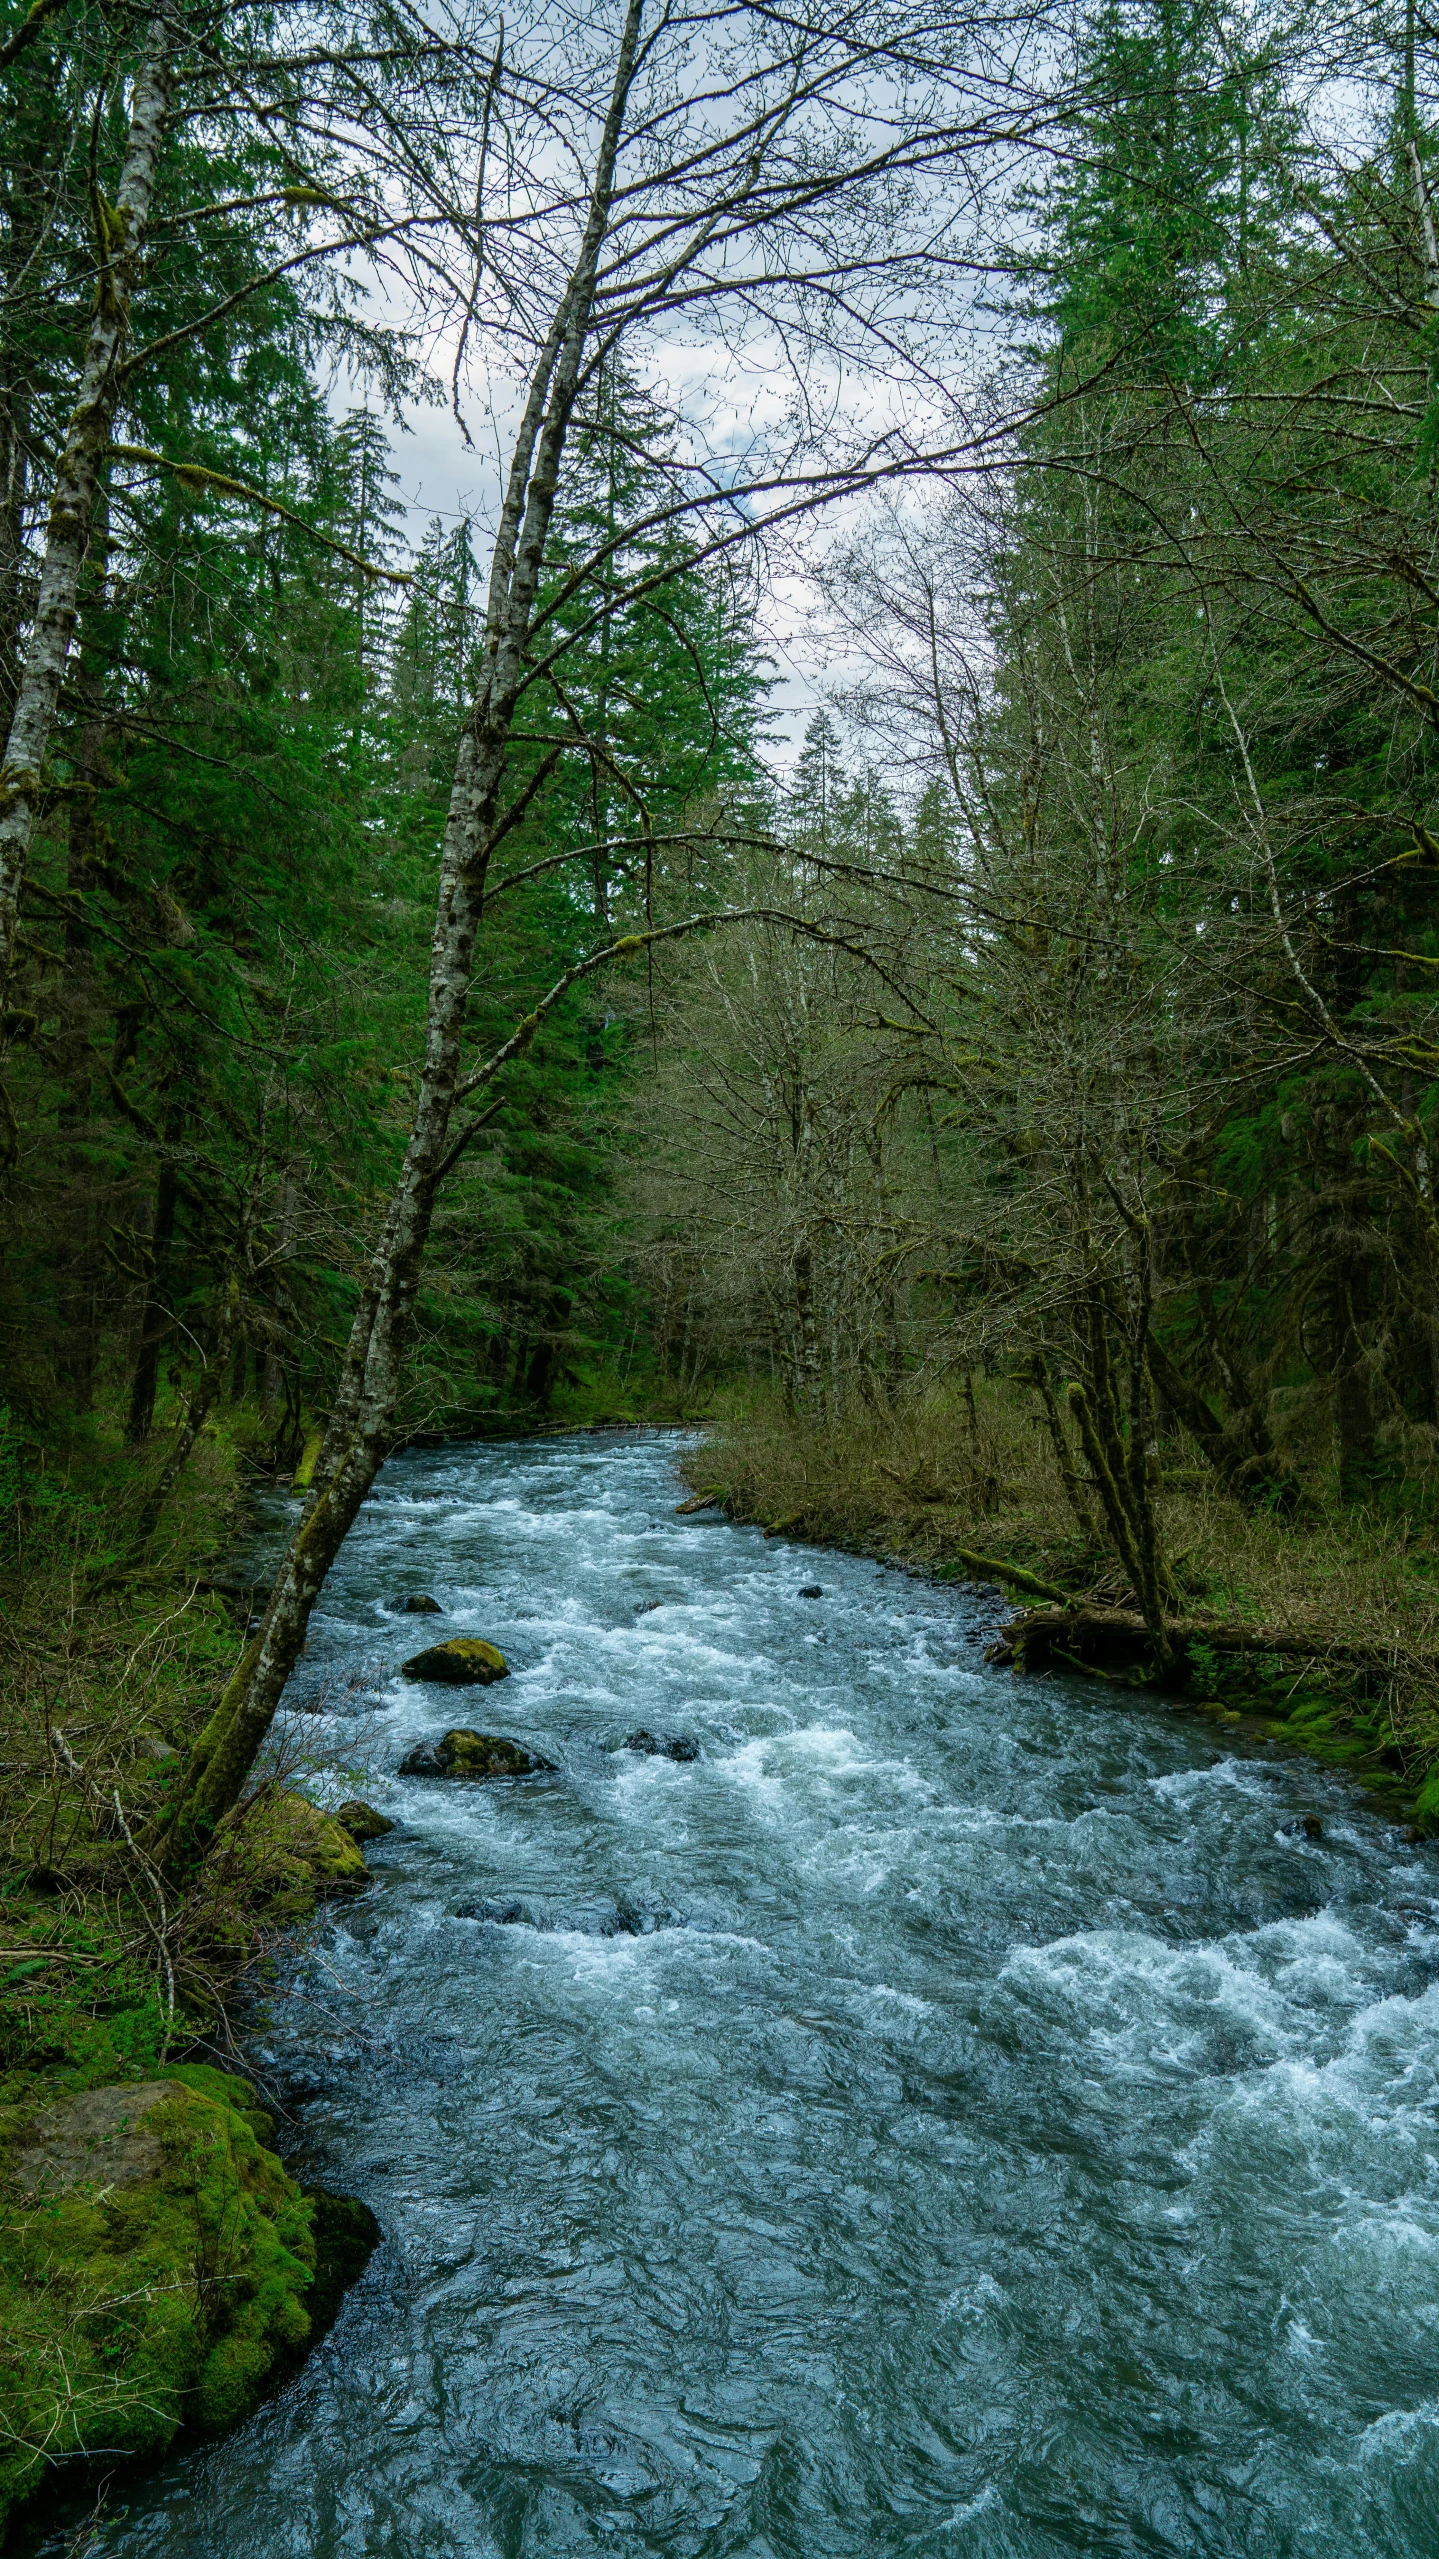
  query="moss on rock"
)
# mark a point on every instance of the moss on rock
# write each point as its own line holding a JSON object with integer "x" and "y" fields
{"x": 361, "y": 1820}
{"x": 155, "y": 2267}
{"x": 462, "y": 1753}
{"x": 466, "y": 1661}
{"x": 288, "y": 1853}
{"x": 1426, "y": 1804}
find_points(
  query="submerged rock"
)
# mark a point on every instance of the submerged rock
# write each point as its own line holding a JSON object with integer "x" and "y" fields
{"x": 418, "y": 1603}
{"x": 461, "y": 1753}
{"x": 622, "y": 1918}
{"x": 137, "y": 2186}
{"x": 640, "y": 1919}
{"x": 812, "y": 1590}
{"x": 466, "y": 1661}
{"x": 662, "y": 1745}
{"x": 362, "y": 1821}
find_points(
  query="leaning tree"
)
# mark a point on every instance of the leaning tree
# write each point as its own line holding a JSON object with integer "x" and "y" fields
{"x": 781, "y": 210}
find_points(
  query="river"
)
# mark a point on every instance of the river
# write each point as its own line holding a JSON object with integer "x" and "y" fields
{"x": 954, "y": 2114}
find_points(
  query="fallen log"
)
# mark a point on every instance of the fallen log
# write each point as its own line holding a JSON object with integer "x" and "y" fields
{"x": 1118, "y": 1637}
{"x": 700, "y": 1502}
{"x": 993, "y": 1568}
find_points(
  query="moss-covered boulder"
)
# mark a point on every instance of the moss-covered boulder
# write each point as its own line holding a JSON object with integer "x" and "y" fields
{"x": 361, "y": 1820}
{"x": 464, "y": 1662}
{"x": 290, "y": 1854}
{"x": 465, "y": 1754}
{"x": 157, "y": 2269}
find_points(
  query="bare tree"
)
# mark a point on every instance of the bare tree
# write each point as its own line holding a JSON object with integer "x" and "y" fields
{"x": 790, "y": 193}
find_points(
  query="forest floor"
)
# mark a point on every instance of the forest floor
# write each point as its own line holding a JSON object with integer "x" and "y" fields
{"x": 944, "y": 1487}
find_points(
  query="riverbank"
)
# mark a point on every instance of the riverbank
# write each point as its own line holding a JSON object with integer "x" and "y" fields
{"x": 969, "y": 1489}
{"x": 174, "y": 2288}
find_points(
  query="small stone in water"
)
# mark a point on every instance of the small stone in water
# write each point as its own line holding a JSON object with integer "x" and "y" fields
{"x": 500, "y": 1914}
{"x": 643, "y": 1606}
{"x": 812, "y": 1590}
{"x": 418, "y": 1603}
{"x": 662, "y": 1745}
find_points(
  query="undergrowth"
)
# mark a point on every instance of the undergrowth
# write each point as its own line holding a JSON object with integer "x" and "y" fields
{"x": 111, "y": 1656}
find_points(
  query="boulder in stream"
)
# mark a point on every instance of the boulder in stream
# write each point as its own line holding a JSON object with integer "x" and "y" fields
{"x": 126, "y": 2192}
{"x": 418, "y": 1603}
{"x": 466, "y": 1661}
{"x": 662, "y": 1745}
{"x": 362, "y": 1821}
{"x": 500, "y": 1914}
{"x": 461, "y": 1753}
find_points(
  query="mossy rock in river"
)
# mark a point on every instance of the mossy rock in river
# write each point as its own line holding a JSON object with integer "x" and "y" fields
{"x": 465, "y": 1754}
{"x": 290, "y": 1854}
{"x": 361, "y": 1820}
{"x": 158, "y": 2269}
{"x": 464, "y": 1662}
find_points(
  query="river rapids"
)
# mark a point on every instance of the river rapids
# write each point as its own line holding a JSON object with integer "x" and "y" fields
{"x": 953, "y": 2114}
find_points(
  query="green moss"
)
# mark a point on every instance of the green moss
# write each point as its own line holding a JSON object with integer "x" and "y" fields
{"x": 1426, "y": 1803}
{"x": 465, "y": 1661}
{"x": 129, "y": 2310}
{"x": 286, "y": 1853}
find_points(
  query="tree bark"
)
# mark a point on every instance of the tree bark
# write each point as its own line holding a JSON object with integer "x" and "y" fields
{"x": 1240, "y": 1450}
{"x": 358, "y": 1435}
{"x": 120, "y": 239}
{"x": 155, "y": 1322}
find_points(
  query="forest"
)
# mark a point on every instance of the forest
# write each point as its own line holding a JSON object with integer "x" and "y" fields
{"x": 438, "y": 1003}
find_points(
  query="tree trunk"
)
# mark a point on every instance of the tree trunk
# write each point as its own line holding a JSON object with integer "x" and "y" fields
{"x": 80, "y": 1293}
{"x": 155, "y": 1323}
{"x": 358, "y": 1436}
{"x": 1240, "y": 1450}
{"x": 201, "y": 1405}
{"x": 121, "y": 230}
{"x": 1353, "y": 1402}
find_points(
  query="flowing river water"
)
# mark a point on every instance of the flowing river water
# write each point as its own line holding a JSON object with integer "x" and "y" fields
{"x": 953, "y": 2114}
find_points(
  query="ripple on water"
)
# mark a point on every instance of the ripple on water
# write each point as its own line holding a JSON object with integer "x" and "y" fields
{"x": 1009, "y": 2138}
